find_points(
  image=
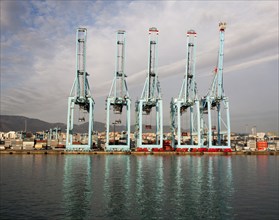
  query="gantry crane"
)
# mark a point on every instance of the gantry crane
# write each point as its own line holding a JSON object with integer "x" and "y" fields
{"x": 118, "y": 98}
{"x": 187, "y": 103}
{"x": 80, "y": 96}
{"x": 150, "y": 97}
{"x": 216, "y": 100}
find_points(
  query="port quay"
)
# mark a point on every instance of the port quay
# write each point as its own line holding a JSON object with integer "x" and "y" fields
{"x": 52, "y": 142}
{"x": 57, "y": 152}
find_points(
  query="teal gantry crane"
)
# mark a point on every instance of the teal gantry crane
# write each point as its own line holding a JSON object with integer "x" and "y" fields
{"x": 150, "y": 97}
{"x": 216, "y": 100}
{"x": 118, "y": 98}
{"x": 80, "y": 96}
{"x": 187, "y": 103}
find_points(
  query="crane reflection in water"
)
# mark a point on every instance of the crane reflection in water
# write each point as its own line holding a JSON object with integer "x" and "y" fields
{"x": 147, "y": 186}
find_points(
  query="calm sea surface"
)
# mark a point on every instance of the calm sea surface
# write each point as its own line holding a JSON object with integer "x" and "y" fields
{"x": 139, "y": 187}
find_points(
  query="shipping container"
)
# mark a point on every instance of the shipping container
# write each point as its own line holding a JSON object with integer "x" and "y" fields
{"x": 262, "y": 145}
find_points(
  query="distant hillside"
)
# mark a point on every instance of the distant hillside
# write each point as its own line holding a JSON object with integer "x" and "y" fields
{"x": 18, "y": 123}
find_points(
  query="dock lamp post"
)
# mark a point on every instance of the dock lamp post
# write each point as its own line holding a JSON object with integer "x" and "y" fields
{"x": 115, "y": 123}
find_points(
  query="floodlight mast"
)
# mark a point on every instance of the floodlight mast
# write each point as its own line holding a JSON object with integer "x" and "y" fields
{"x": 216, "y": 100}
{"x": 187, "y": 101}
{"x": 119, "y": 96}
{"x": 151, "y": 95}
{"x": 80, "y": 94}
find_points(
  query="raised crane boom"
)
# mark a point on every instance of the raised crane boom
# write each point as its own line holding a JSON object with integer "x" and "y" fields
{"x": 217, "y": 90}
{"x": 81, "y": 83}
{"x": 151, "y": 91}
{"x": 188, "y": 92}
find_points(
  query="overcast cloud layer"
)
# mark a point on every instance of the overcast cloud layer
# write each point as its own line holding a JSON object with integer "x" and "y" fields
{"x": 38, "y": 54}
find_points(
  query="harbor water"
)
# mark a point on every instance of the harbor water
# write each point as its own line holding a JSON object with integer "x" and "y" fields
{"x": 139, "y": 187}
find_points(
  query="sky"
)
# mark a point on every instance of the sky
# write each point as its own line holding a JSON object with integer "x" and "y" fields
{"x": 38, "y": 54}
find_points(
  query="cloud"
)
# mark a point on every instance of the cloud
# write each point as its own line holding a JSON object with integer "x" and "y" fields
{"x": 38, "y": 49}
{"x": 10, "y": 22}
{"x": 251, "y": 63}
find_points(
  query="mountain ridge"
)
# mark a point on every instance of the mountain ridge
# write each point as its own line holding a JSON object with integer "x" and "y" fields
{"x": 22, "y": 123}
